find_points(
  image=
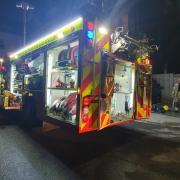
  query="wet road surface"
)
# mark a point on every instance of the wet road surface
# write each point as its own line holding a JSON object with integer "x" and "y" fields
{"x": 21, "y": 158}
{"x": 141, "y": 150}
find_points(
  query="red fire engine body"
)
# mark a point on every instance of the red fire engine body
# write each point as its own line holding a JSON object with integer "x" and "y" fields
{"x": 91, "y": 78}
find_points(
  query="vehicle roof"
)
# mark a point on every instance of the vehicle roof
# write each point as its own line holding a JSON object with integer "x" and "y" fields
{"x": 54, "y": 36}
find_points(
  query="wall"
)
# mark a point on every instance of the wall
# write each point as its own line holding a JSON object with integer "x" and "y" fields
{"x": 166, "y": 81}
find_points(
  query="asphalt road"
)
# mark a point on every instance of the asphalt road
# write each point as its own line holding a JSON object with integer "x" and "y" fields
{"x": 147, "y": 149}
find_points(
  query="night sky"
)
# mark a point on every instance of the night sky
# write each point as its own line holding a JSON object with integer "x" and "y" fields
{"x": 159, "y": 19}
{"x": 47, "y": 15}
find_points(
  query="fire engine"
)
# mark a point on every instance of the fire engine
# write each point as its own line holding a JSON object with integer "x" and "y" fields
{"x": 83, "y": 74}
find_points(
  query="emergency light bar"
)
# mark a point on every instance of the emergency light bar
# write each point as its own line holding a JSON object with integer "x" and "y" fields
{"x": 58, "y": 34}
{"x": 90, "y": 33}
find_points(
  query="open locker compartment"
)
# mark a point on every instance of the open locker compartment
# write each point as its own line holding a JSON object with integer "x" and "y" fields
{"x": 62, "y": 82}
{"x": 117, "y": 91}
{"x": 33, "y": 78}
{"x": 16, "y": 81}
{"x": 122, "y": 102}
{"x": 26, "y": 77}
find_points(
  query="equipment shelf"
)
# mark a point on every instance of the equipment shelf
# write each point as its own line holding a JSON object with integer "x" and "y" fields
{"x": 68, "y": 89}
{"x": 64, "y": 69}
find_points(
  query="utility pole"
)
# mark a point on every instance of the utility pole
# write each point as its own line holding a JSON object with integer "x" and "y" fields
{"x": 25, "y": 7}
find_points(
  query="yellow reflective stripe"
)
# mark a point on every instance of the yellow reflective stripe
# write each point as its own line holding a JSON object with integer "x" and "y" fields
{"x": 105, "y": 122}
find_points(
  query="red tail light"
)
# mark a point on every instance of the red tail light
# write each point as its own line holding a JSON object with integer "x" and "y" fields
{"x": 90, "y": 25}
{"x": 85, "y": 117}
{"x": 86, "y": 101}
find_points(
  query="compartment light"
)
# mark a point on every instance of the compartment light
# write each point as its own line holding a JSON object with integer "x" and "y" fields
{"x": 1, "y": 60}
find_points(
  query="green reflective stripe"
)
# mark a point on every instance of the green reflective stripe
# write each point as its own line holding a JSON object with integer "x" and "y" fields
{"x": 66, "y": 30}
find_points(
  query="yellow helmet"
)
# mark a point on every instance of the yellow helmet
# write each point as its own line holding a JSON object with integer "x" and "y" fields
{"x": 166, "y": 107}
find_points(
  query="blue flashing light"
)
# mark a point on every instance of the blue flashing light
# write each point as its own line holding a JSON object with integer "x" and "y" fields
{"x": 90, "y": 34}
